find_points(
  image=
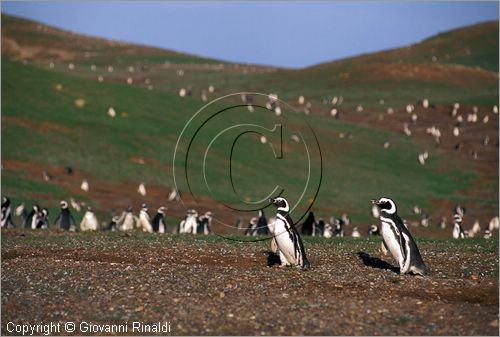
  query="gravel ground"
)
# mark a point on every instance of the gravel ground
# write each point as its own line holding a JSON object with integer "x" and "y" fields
{"x": 210, "y": 286}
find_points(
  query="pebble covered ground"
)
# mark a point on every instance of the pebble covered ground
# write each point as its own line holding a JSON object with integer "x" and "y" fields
{"x": 211, "y": 286}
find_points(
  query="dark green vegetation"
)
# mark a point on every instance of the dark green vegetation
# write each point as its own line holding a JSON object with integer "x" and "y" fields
{"x": 205, "y": 285}
{"x": 43, "y": 129}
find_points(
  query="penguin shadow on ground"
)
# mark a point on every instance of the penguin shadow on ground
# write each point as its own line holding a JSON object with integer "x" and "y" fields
{"x": 375, "y": 262}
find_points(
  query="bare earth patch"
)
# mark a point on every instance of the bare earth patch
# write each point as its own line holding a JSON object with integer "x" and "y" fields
{"x": 208, "y": 286}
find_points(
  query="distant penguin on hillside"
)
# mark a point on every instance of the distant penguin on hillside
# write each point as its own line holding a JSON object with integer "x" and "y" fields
{"x": 190, "y": 223}
{"x": 6, "y": 213}
{"x": 21, "y": 212}
{"x": 145, "y": 220}
{"x": 288, "y": 240}
{"x": 318, "y": 228}
{"x": 89, "y": 221}
{"x": 398, "y": 239}
{"x": 159, "y": 224}
{"x": 32, "y": 218}
{"x": 65, "y": 220}
{"x": 328, "y": 232}
{"x": 127, "y": 220}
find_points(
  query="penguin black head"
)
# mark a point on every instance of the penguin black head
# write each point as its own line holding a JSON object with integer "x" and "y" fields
{"x": 128, "y": 209}
{"x": 162, "y": 210}
{"x": 36, "y": 208}
{"x": 89, "y": 209}
{"x": 45, "y": 212}
{"x": 144, "y": 206}
{"x": 4, "y": 200}
{"x": 63, "y": 204}
{"x": 459, "y": 210}
{"x": 386, "y": 205}
{"x": 280, "y": 203}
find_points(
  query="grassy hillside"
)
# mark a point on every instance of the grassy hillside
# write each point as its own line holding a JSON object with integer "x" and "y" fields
{"x": 45, "y": 128}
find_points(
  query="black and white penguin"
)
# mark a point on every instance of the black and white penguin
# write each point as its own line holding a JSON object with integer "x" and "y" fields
{"x": 113, "y": 224}
{"x": 262, "y": 224}
{"x": 458, "y": 231}
{"x": 373, "y": 230}
{"x": 252, "y": 227}
{"x": 159, "y": 224}
{"x": 65, "y": 220}
{"x": 355, "y": 233}
{"x": 205, "y": 224}
{"x": 287, "y": 238}
{"x": 127, "y": 220}
{"x": 43, "y": 219}
{"x": 319, "y": 228}
{"x": 32, "y": 218}
{"x": 145, "y": 220}
{"x": 89, "y": 221}
{"x": 308, "y": 224}
{"x": 6, "y": 213}
{"x": 339, "y": 228}
{"x": 398, "y": 239}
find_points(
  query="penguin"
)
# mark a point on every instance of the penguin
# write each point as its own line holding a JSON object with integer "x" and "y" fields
{"x": 113, "y": 224}
{"x": 6, "y": 213}
{"x": 189, "y": 224}
{"x": 262, "y": 224}
{"x": 458, "y": 231}
{"x": 398, "y": 239}
{"x": 144, "y": 219}
{"x": 355, "y": 233}
{"x": 65, "y": 219}
{"x": 21, "y": 212}
{"x": 159, "y": 224}
{"x": 89, "y": 221}
{"x": 32, "y": 218}
{"x": 308, "y": 224}
{"x": 205, "y": 224}
{"x": 425, "y": 220}
{"x": 43, "y": 220}
{"x": 476, "y": 229}
{"x": 252, "y": 227}
{"x": 442, "y": 223}
{"x": 345, "y": 221}
{"x": 494, "y": 224}
{"x": 318, "y": 228}
{"x": 288, "y": 240}
{"x": 127, "y": 220}
{"x": 375, "y": 212}
{"x": 373, "y": 230}
{"x": 328, "y": 232}
{"x": 142, "y": 189}
{"x": 339, "y": 228}
{"x": 487, "y": 234}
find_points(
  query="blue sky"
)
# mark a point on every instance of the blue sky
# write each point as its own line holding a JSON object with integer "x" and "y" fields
{"x": 290, "y": 34}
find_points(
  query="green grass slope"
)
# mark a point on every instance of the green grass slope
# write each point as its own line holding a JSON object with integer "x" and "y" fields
{"x": 42, "y": 126}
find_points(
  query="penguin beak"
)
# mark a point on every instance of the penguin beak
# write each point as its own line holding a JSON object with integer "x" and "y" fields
{"x": 272, "y": 200}
{"x": 375, "y": 201}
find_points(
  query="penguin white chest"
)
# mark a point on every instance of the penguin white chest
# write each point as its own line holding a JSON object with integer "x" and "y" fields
{"x": 392, "y": 241}
{"x": 285, "y": 244}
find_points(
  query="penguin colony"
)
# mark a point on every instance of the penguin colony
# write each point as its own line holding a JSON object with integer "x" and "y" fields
{"x": 287, "y": 248}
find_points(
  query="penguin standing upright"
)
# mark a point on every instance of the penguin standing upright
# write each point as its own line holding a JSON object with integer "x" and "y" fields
{"x": 398, "y": 239}
{"x": 126, "y": 222}
{"x": 113, "y": 224}
{"x": 373, "y": 230}
{"x": 191, "y": 222}
{"x": 65, "y": 219}
{"x": 288, "y": 240}
{"x": 262, "y": 224}
{"x": 89, "y": 221}
{"x": 252, "y": 227}
{"x": 159, "y": 224}
{"x": 22, "y": 212}
{"x": 6, "y": 213}
{"x": 32, "y": 218}
{"x": 308, "y": 224}
{"x": 205, "y": 224}
{"x": 458, "y": 231}
{"x": 43, "y": 220}
{"x": 145, "y": 220}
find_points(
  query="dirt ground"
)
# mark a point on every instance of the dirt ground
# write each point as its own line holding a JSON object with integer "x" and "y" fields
{"x": 209, "y": 286}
